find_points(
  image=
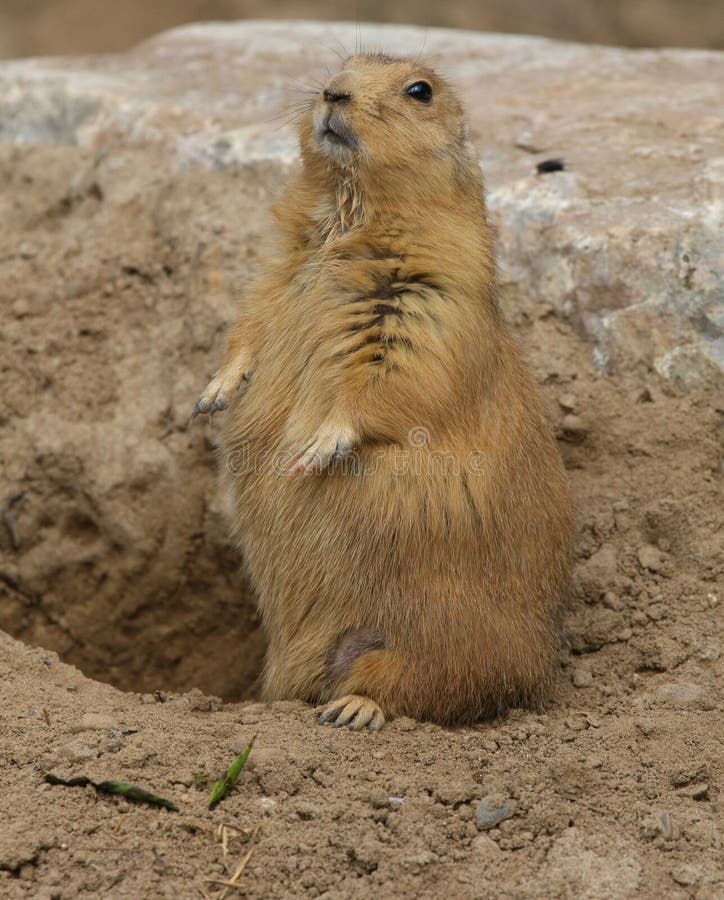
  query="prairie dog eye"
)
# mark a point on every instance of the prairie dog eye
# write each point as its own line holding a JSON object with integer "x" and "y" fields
{"x": 420, "y": 91}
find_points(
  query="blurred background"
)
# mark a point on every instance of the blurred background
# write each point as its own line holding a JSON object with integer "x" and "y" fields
{"x": 47, "y": 27}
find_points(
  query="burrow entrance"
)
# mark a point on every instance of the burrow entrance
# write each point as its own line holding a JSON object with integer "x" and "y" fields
{"x": 168, "y": 613}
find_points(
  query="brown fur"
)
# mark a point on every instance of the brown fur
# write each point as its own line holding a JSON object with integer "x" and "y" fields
{"x": 427, "y": 570}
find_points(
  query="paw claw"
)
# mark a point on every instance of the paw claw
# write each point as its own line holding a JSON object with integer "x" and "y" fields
{"x": 328, "y": 447}
{"x": 216, "y": 395}
{"x": 354, "y": 711}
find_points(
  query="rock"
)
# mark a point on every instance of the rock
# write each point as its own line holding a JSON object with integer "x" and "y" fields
{"x": 581, "y": 678}
{"x": 699, "y": 792}
{"x": 650, "y": 557}
{"x": 199, "y": 702}
{"x": 453, "y": 793}
{"x": 577, "y": 722}
{"x": 689, "y": 774}
{"x": 253, "y": 713}
{"x": 77, "y": 751}
{"x": 658, "y": 825}
{"x": 598, "y": 572}
{"x": 267, "y": 805}
{"x": 20, "y": 309}
{"x": 424, "y": 858}
{"x": 592, "y": 627}
{"x": 681, "y": 694}
{"x": 630, "y": 253}
{"x": 568, "y": 403}
{"x": 493, "y": 810}
{"x": 686, "y": 875}
{"x": 306, "y": 811}
{"x": 93, "y": 722}
{"x": 658, "y": 652}
{"x": 667, "y": 827}
{"x": 573, "y": 429}
{"x": 379, "y": 799}
{"x": 483, "y": 845}
{"x": 612, "y": 601}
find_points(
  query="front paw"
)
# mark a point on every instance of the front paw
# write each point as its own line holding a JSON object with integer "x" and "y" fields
{"x": 219, "y": 391}
{"x": 331, "y": 444}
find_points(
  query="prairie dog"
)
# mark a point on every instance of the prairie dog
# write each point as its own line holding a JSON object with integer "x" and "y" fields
{"x": 400, "y": 503}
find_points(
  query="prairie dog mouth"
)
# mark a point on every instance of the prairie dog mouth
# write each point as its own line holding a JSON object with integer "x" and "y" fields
{"x": 332, "y": 130}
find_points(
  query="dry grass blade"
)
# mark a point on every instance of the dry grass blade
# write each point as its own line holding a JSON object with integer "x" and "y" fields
{"x": 233, "y": 882}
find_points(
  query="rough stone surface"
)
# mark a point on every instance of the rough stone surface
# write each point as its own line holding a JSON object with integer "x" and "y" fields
{"x": 625, "y": 241}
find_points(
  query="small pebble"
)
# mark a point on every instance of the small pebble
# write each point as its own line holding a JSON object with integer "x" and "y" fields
{"x": 379, "y": 799}
{"x": 698, "y": 792}
{"x": 577, "y": 723}
{"x": 582, "y": 678}
{"x": 682, "y": 694}
{"x": 612, "y": 601}
{"x": 93, "y": 722}
{"x": 492, "y": 810}
{"x": 485, "y": 846}
{"x": 573, "y": 429}
{"x": 77, "y": 751}
{"x": 689, "y": 774}
{"x": 526, "y": 141}
{"x": 650, "y": 557}
{"x": 568, "y": 402}
{"x": 199, "y": 702}
{"x": 667, "y": 827}
{"x": 404, "y": 723}
{"x": 306, "y": 811}
{"x": 685, "y": 875}
{"x": 426, "y": 858}
{"x": 20, "y": 309}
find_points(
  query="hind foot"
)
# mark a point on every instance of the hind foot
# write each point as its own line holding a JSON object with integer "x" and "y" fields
{"x": 355, "y": 712}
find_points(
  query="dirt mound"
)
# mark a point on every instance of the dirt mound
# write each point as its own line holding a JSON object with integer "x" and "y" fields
{"x": 117, "y": 273}
{"x": 111, "y": 494}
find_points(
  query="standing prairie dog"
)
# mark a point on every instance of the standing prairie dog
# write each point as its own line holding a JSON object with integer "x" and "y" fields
{"x": 400, "y": 504}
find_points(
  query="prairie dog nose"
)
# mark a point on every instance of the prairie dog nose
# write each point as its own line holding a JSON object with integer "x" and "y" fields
{"x": 336, "y": 96}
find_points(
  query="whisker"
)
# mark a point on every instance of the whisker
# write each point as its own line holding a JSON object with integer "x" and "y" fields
{"x": 418, "y": 58}
{"x": 340, "y": 56}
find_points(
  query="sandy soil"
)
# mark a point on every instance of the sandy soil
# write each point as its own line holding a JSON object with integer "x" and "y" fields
{"x": 615, "y": 791}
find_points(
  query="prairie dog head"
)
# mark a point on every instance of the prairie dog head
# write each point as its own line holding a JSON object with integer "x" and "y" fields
{"x": 381, "y": 112}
